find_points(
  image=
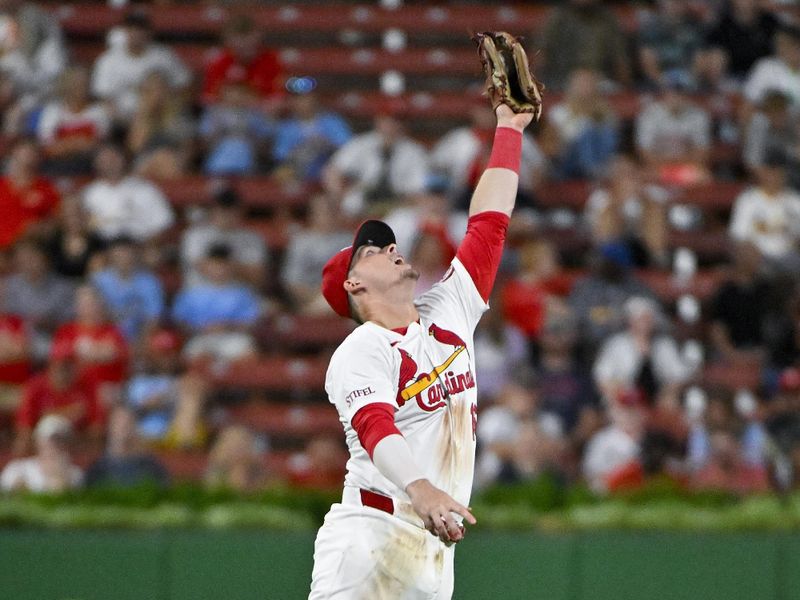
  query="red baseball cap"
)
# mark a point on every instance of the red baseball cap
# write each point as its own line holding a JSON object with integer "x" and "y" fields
{"x": 334, "y": 273}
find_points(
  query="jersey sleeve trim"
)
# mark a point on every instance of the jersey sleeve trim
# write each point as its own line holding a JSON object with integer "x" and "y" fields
{"x": 374, "y": 422}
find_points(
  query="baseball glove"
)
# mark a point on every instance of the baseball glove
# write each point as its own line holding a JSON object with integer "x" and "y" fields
{"x": 508, "y": 76}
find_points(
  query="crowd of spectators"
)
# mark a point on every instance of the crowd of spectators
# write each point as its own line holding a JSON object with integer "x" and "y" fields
{"x": 116, "y": 308}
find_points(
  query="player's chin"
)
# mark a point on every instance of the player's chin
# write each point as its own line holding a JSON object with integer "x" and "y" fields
{"x": 410, "y": 273}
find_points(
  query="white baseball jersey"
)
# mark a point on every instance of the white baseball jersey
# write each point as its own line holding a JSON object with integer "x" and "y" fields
{"x": 428, "y": 375}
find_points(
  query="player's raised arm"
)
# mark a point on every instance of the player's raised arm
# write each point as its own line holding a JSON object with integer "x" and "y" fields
{"x": 517, "y": 99}
{"x": 516, "y": 96}
{"x": 497, "y": 187}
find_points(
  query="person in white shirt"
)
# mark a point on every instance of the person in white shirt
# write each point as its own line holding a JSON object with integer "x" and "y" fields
{"x": 674, "y": 130}
{"x": 120, "y": 70}
{"x": 614, "y": 448}
{"x": 32, "y": 52}
{"x": 51, "y": 469}
{"x": 780, "y": 72}
{"x": 71, "y": 127}
{"x": 120, "y": 204}
{"x": 375, "y": 167}
{"x": 640, "y": 358}
{"x": 462, "y": 153}
{"x": 768, "y": 215}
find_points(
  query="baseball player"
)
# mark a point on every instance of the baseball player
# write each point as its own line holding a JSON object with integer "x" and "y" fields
{"x": 404, "y": 381}
{"x": 404, "y": 385}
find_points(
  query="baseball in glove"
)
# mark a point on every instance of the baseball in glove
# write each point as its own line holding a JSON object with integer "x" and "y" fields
{"x": 508, "y": 76}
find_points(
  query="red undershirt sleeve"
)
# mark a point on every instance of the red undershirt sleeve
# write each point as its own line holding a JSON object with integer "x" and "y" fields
{"x": 374, "y": 422}
{"x": 482, "y": 248}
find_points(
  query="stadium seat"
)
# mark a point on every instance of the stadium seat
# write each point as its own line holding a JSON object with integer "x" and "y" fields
{"x": 287, "y": 420}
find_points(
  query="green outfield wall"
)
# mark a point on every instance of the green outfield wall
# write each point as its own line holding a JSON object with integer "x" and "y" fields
{"x": 267, "y": 565}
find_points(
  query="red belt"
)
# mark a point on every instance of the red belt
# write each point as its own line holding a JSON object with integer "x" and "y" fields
{"x": 379, "y": 501}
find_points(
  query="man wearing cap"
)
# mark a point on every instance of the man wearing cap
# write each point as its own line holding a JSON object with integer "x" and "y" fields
{"x": 404, "y": 386}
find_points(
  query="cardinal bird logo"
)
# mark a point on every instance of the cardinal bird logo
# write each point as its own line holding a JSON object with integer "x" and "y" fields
{"x": 443, "y": 336}
{"x": 408, "y": 370}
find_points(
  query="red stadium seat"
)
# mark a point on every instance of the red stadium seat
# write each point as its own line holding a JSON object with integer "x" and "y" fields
{"x": 287, "y": 419}
{"x": 92, "y": 19}
{"x": 275, "y": 373}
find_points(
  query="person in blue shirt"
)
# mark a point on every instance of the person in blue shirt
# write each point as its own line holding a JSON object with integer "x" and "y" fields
{"x": 133, "y": 294}
{"x": 167, "y": 399}
{"x": 307, "y": 138}
{"x": 219, "y": 312}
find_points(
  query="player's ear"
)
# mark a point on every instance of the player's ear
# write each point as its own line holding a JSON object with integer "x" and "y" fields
{"x": 353, "y": 285}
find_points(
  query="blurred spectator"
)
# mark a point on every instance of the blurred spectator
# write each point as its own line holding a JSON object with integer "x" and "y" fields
{"x": 641, "y": 358}
{"x": 218, "y": 313}
{"x": 234, "y": 462}
{"x": 97, "y": 344}
{"x": 740, "y": 305}
{"x": 33, "y": 53}
{"x": 778, "y": 72}
{"x": 773, "y": 130}
{"x": 501, "y": 350}
{"x": 742, "y": 35}
{"x": 768, "y": 216}
{"x": 462, "y": 154}
{"x": 408, "y": 217}
{"x": 160, "y": 132}
{"x": 236, "y": 131}
{"x": 122, "y": 204}
{"x": 71, "y": 127}
{"x": 15, "y": 360}
{"x": 243, "y": 58}
{"x": 597, "y": 299}
{"x": 566, "y": 390}
{"x": 669, "y": 40}
{"x": 377, "y": 167}
{"x": 612, "y": 457}
{"x": 581, "y": 131}
{"x": 133, "y": 294}
{"x": 168, "y": 402}
{"x": 320, "y": 466}
{"x": 727, "y": 468}
{"x": 602, "y": 48}
{"x": 499, "y": 427}
{"x": 74, "y": 249}
{"x": 42, "y": 298}
{"x": 121, "y": 69}
{"x": 224, "y": 225}
{"x": 431, "y": 254}
{"x": 673, "y": 137}
{"x": 29, "y": 200}
{"x": 536, "y": 289}
{"x": 125, "y": 462}
{"x": 781, "y": 411}
{"x": 51, "y": 469}
{"x": 307, "y": 137}
{"x": 628, "y": 211}
{"x": 59, "y": 390}
{"x": 308, "y": 251}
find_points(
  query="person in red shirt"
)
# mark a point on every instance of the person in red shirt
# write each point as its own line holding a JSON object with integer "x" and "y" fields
{"x": 98, "y": 345}
{"x": 243, "y": 58}
{"x": 59, "y": 390}
{"x": 27, "y": 200}
{"x": 15, "y": 365}
{"x": 537, "y": 286}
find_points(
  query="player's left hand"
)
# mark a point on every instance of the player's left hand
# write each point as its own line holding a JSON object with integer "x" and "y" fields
{"x": 436, "y": 508}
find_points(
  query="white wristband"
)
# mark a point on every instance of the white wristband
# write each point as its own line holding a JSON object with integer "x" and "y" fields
{"x": 393, "y": 458}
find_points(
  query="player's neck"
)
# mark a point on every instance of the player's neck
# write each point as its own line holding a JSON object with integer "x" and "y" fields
{"x": 390, "y": 315}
